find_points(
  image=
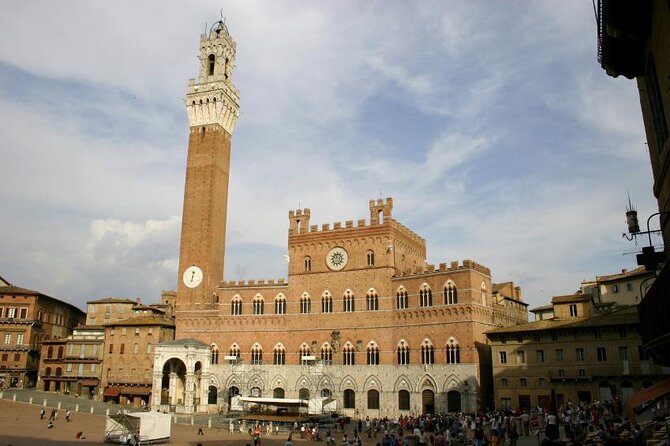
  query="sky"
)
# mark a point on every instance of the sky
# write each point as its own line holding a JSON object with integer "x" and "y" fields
{"x": 494, "y": 129}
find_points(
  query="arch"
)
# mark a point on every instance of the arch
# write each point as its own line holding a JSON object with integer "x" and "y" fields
{"x": 280, "y": 304}
{"x": 348, "y": 382}
{"x": 372, "y": 351}
{"x": 403, "y": 351}
{"x": 50, "y": 352}
{"x": 427, "y": 402}
{"x": 259, "y": 304}
{"x": 214, "y": 354}
{"x": 257, "y": 354}
{"x": 279, "y": 354}
{"x": 212, "y": 395}
{"x": 348, "y": 354}
{"x": 349, "y": 399}
{"x": 348, "y": 302}
{"x": 373, "y": 399}
{"x": 427, "y": 382}
{"x": 402, "y": 382}
{"x": 60, "y": 352}
{"x": 173, "y": 382}
{"x": 234, "y": 350}
{"x": 326, "y": 302}
{"x": 370, "y": 257}
{"x": 453, "y": 351}
{"x": 236, "y": 305}
{"x": 303, "y": 351}
{"x": 232, "y": 392}
{"x": 278, "y": 392}
{"x": 326, "y": 353}
{"x": 401, "y": 298}
{"x": 308, "y": 264}
{"x": 427, "y": 352}
{"x": 450, "y": 293}
{"x": 47, "y": 371}
{"x": 371, "y": 300}
{"x": 305, "y": 303}
{"x": 453, "y": 401}
{"x": 211, "y": 62}
{"x": 326, "y": 393}
{"x": 425, "y": 296}
{"x": 372, "y": 382}
{"x": 403, "y": 399}
{"x": 303, "y": 393}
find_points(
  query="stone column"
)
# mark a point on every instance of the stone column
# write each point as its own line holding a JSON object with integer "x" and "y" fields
{"x": 204, "y": 394}
{"x": 189, "y": 394}
{"x": 172, "y": 391}
{"x": 156, "y": 390}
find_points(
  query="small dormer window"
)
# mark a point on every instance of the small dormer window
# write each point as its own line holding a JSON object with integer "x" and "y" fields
{"x": 210, "y": 66}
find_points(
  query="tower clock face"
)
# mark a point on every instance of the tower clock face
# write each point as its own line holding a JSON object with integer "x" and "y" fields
{"x": 337, "y": 258}
{"x": 192, "y": 276}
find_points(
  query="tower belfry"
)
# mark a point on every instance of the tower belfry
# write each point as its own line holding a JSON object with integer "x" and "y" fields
{"x": 212, "y": 103}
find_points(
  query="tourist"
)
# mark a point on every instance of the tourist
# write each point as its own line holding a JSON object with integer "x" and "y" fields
{"x": 67, "y": 415}
{"x": 200, "y": 432}
{"x": 42, "y": 413}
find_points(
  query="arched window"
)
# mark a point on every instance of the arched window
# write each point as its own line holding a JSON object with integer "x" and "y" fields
{"x": 236, "y": 306}
{"x": 60, "y": 352}
{"x": 348, "y": 354}
{"x": 278, "y": 392}
{"x": 403, "y": 400}
{"x": 235, "y": 351}
{"x": 211, "y": 61}
{"x": 50, "y": 352}
{"x": 523, "y": 382}
{"x": 425, "y": 296}
{"x": 326, "y": 302}
{"x": 373, "y": 399}
{"x": 349, "y": 399}
{"x": 308, "y": 264}
{"x": 403, "y": 353}
{"x": 483, "y": 288}
{"x": 504, "y": 382}
{"x": 257, "y": 354}
{"x": 450, "y": 294}
{"x": 214, "y": 350}
{"x": 326, "y": 354}
{"x": 304, "y": 352}
{"x": 326, "y": 393}
{"x": 279, "y": 355}
{"x": 59, "y": 371}
{"x": 305, "y": 304}
{"x": 258, "y": 304}
{"x": 401, "y": 298}
{"x": 303, "y": 394}
{"x": 371, "y": 300}
{"x": 371, "y": 258}
{"x": 348, "y": 302}
{"x": 280, "y": 304}
{"x": 427, "y": 352}
{"x": 373, "y": 353}
{"x": 453, "y": 352}
{"x": 47, "y": 372}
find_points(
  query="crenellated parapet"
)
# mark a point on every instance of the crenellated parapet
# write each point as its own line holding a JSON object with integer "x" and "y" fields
{"x": 429, "y": 269}
{"x": 253, "y": 283}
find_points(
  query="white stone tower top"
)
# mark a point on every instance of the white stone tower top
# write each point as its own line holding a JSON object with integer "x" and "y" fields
{"x": 213, "y": 99}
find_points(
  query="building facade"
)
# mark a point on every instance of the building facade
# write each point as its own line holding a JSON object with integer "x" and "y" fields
{"x": 362, "y": 318}
{"x": 583, "y": 353}
{"x": 128, "y": 354}
{"x": 27, "y": 318}
{"x": 633, "y": 41}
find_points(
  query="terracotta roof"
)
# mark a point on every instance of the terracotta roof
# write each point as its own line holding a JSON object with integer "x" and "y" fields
{"x": 578, "y": 297}
{"x": 542, "y": 308}
{"x": 11, "y": 289}
{"x": 639, "y": 271}
{"x": 620, "y": 316}
{"x": 186, "y": 342}
{"x": 143, "y": 320}
{"x": 112, "y": 300}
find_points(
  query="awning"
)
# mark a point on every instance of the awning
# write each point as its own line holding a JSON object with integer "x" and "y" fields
{"x": 130, "y": 390}
{"x": 651, "y": 393}
{"x": 90, "y": 382}
{"x": 282, "y": 402}
{"x": 112, "y": 391}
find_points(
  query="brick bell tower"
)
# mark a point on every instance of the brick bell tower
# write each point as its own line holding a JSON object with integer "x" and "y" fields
{"x": 213, "y": 105}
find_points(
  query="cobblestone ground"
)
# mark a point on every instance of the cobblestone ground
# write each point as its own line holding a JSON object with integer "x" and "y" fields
{"x": 20, "y": 424}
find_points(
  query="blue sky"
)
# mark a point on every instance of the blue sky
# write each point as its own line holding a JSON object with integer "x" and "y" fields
{"x": 494, "y": 129}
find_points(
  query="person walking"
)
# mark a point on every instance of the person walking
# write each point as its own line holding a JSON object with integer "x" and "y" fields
{"x": 52, "y": 415}
{"x": 67, "y": 415}
{"x": 200, "y": 432}
{"x": 42, "y": 413}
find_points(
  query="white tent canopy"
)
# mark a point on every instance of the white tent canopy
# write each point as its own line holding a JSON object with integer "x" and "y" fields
{"x": 153, "y": 427}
